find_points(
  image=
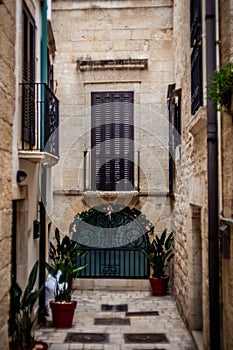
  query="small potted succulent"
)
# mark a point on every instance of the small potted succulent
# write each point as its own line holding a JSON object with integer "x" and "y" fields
{"x": 63, "y": 267}
{"x": 159, "y": 252}
{"x": 220, "y": 88}
{"x": 21, "y": 314}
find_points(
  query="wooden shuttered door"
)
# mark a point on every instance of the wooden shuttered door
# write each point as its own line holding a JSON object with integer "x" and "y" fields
{"x": 112, "y": 136}
{"x": 28, "y": 105}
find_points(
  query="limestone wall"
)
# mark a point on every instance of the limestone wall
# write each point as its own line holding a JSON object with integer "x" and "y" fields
{"x": 190, "y": 210}
{"x": 114, "y": 31}
{"x": 7, "y": 98}
{"x": 226, "y": 20}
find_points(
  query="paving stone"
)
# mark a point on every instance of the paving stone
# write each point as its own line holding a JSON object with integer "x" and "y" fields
{"x": 112, "y": 321}
{"x": 142, "y": 304}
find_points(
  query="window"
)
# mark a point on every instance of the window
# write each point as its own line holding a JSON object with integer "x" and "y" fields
{"x": 28, "y": 75}
{"x": 112, "y": 136}
{"x": 174, "y": 108}
{"x": 176, "y": 116}
{"x": 196, "y": 56}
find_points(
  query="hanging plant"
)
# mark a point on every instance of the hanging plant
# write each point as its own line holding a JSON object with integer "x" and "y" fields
{"x": 220, "y": 88}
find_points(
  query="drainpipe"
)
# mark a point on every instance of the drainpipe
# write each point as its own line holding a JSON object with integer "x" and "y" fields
{"x": 213, "y": 210}
{"x": 42, "y": 277}
{"x": 170, "y": 90}
{"x": 43, "y": 171}
{"x": 219, "y": 113}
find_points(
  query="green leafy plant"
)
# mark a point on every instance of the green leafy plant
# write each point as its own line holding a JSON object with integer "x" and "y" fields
{"x": 64, "y": 258}
{"x": 21, "y": 308}
{"x": 159, "y": 252}
{"x": 219, "y": 89}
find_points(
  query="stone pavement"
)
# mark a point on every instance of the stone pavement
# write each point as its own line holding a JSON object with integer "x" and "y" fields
{"x": 121, "y": 320}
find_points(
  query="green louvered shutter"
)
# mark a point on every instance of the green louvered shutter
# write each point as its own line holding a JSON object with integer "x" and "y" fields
{"x": 28, "y": 75}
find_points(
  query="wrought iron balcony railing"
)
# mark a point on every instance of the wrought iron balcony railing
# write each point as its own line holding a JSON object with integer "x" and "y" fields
{"x": 40, "y": 119}
{"x": 90, "y": 178}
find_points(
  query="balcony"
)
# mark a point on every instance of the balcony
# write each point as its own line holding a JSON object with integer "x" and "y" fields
{"x": 133, "y": 185}
{"x": 40, "y": 124}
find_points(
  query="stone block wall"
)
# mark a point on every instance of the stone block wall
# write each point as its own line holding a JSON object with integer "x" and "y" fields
{"x": 7, "y": 102}
{"x": 226, "y": 20}
{"x": 190, "y": 208}
{"x": 227, "y": 212}
{"x": 115, "y": 30}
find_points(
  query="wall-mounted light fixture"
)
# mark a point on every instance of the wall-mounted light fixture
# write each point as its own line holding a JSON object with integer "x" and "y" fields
{"x": 21, "y": 176}
{"x": 36, "y": 229}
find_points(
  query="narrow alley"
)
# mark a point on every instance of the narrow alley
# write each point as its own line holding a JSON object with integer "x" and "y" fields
{"x": 120, "y": 320}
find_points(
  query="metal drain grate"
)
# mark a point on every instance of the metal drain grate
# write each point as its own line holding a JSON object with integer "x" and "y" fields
{"x": 87, "y": 338}
{"x": 145, "y": 338}
{"x": 142, "y": 313}
{"x": 112, "y": 321}
{"x": 119, "y": 308}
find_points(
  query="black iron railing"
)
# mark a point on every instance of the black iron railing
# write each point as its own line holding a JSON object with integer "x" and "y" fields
{"x": 196, "y": 56}
{"x": 88, "y": 173}
{"x": 120, "y": 262}
{"x": 40, "y": 118}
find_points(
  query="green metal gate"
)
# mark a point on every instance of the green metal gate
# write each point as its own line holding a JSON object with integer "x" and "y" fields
{"x": 113, "y": 237}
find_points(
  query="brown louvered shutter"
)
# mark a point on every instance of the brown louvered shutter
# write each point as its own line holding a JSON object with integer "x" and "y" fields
{"x": 28, "y": 103}
{"x": 112, "y": 138}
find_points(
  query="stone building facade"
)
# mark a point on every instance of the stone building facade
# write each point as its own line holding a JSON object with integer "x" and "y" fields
{"x": 139, "y": 47}
{"x": 101, "y": 46}
{"x": 226, "y": 182}
{"x": 7, "y": 100}
{"x": 191, "y": 262}
{"x": 107, "y": 47}
{"x": 27, "y": 49}
{"x": 190, "y": 209}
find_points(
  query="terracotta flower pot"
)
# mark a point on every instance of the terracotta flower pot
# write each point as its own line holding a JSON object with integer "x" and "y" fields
{"x": 63, "y": 313}
{"x": 159, "y": 285}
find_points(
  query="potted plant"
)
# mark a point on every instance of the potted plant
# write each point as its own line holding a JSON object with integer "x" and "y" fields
{"x": 159, "y": 253}
{"x": 63, "y": 267}
{"x": 21, "y": 309}
{"x": 220, "y": 87}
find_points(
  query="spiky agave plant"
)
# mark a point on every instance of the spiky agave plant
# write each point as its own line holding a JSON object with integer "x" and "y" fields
{"x": 21, "y": 308}
{"x": 64, "y": 258}
{"x": 160, "y": 252}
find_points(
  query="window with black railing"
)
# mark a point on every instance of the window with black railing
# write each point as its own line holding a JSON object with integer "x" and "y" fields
{"x": 196, "y": 55}
{"x": 41, "y": 105}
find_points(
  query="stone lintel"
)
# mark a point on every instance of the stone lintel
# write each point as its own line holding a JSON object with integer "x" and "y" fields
{"x": 89, "y": 64}
{"x": 105, "y": 4}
